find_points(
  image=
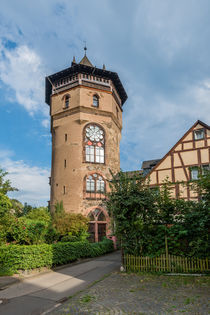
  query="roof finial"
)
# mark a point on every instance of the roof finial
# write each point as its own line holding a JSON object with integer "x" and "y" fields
{"x": 74, "y": 60}
{"x": 85, "y": 48}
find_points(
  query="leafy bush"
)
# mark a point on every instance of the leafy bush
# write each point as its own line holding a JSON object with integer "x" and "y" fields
{"x": 15, "y": 257}
{"x": 70, "y": 224}
{"x": 39, "y": 214}
{"x": 24, "y": 231}
{"x": 5, "y": 205}
{"x": 148, "y": 221}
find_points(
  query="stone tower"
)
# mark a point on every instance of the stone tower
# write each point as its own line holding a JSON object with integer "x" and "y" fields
{"x": 86, "y": 121}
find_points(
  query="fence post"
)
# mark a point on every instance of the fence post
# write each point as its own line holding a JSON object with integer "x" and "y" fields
{"x": 166, "y": 246}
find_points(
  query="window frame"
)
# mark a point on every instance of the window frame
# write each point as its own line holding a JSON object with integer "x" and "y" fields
{"x": 94, "y": 146}
{"x": 94, "y": 194}
{"x": 191, "y": 170}
{"x": 65, "y": 98}
{"x": 204, "y": 168}
{"x": 96, "y": 97}
{"x": 201, "y": 130}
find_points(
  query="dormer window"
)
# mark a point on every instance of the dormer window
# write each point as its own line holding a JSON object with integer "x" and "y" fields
{"x": 199, "y": 134}
{"x": 95, "y": 100}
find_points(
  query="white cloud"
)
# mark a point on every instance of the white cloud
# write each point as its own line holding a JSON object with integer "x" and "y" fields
{"x": 46, "y": 123}
{"x": 154, "y": 124}
{"x": 31, "y": 181}
{"x": 21, "y": 69}
{"x": 159, "y": 48}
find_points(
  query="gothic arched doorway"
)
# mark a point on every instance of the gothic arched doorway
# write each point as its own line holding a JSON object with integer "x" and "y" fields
{"x": 97, "y": 225}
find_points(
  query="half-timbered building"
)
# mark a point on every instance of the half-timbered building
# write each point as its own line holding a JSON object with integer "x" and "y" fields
{"x": 189, "y": 156}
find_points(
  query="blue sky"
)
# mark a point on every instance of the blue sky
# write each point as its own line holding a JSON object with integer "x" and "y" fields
{"x": 160, "y": 49}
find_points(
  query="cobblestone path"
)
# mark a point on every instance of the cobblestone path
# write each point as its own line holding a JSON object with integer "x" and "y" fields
{"x": 120, "y": 294}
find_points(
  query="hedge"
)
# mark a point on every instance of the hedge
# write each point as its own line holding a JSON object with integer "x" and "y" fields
{"x": 24, "y": 257}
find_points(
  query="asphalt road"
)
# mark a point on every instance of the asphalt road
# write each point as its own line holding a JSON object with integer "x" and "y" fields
{"x": 43, "y": 293}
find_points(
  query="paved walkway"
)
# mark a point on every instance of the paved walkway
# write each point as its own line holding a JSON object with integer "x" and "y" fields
{"x": 126, "y": 294}
{"x": 35, "y": 295}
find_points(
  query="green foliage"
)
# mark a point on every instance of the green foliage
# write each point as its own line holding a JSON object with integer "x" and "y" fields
{"x": 131, "y": 203}
{"x": 51, "y": 235}
{"x": 145, "y": 218}
{"x": 26, "y": 231}
{"x": 202, "y": 186}
{"x": 27, "y": 208}
{"x": 40, "y": 214}
{"x": 5, "y": 205}
{"x": 70, "y": 224}
{"x": 5, "y": 185}
{"x": 15, "y": 257}
{"x": 59, "y": 209}
{"x": 17, "y": 207}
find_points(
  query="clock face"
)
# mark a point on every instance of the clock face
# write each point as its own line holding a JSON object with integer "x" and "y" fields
{"x": 94, "y": 133}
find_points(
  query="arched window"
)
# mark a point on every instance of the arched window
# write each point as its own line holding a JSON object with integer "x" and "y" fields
{"x": 94, "y": 140}
{"x": 95, "y": 100}
{"x": 97, "y": 225}
{"x": 66, "y": 101}
{"x": 95, "y": 186}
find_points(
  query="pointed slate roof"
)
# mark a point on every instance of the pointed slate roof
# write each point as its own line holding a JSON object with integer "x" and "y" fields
{"x": 86, "y": 62}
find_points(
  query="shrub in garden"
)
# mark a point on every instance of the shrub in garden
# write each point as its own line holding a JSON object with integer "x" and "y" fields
{"x": 15, "y": 257}
{"x": 26, "y": 231}
{"x": 5, "y": 205}
{"x": 71, "y": 225}
{"x": 39, "y": 214}
{"x": 147, "y": 220}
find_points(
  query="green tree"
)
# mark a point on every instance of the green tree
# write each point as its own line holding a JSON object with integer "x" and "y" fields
{"x": 71, "y": 225}
{"x": 5, "y": 184}
{"x": 41, "y": 214}
{"x": 17, "y": 207}
{"x": 5, "y": 205}
{"x": 148, "y": 220}
{"x": 132, "y": 205}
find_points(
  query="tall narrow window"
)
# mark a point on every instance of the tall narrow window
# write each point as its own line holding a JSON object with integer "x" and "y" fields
{"x": 94, "y": 141}
{"x": 90, "y": 184}
{"x": 95, "y": 100}
{"x": 95, "y": 186}
{"x": 64, "y": 190}
{"x": 64, "y": 163}
{"x": 67, "y": 101}
{"x": 194, "y": 173}
{"x": 117, "y": 112}
{"x": 66, "y": 137}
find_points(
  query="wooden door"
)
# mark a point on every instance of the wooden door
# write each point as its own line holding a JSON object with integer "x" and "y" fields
{"x": 101, "y": 231}
{"x": 91, "y": 231}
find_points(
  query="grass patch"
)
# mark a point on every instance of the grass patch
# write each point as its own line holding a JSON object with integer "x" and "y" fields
{"x": 87, "y": 298}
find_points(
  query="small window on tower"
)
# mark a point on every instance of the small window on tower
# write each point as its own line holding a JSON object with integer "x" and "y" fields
{"x": 64, "y": 163}
{"x": 67, "y": 101}
{"x": 66, "y": 137}
{"x": 117, "y": 112}
{"x": 95, "y": 100}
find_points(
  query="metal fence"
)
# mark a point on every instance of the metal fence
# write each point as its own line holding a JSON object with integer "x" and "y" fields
{"x": 166, "y": 263}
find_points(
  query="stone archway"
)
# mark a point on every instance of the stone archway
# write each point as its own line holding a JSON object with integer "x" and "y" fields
{"x": 97, "y": 224}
